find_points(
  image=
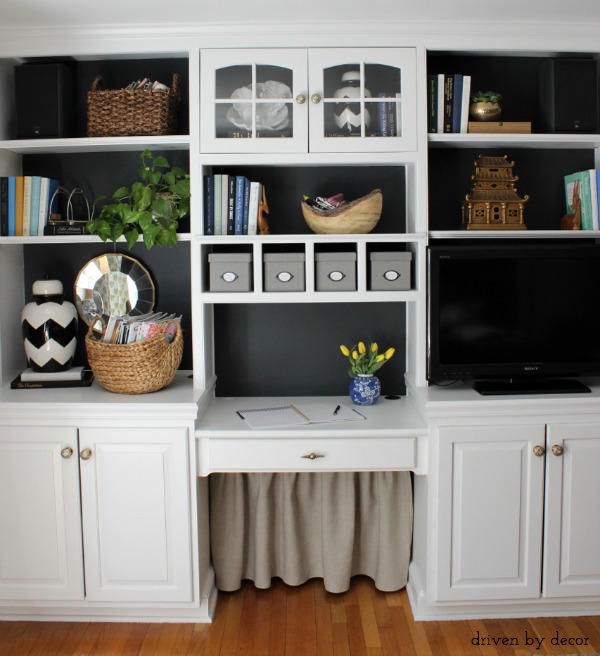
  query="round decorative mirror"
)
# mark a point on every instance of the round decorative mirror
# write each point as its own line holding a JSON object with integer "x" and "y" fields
{"x": 113, "y": 285}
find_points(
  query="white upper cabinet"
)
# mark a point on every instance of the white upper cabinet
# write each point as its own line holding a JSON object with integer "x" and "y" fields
{"x": 318, "y": 100}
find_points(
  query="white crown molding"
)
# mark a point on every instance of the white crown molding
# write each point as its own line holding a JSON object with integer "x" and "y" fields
{"x": 509, "y": 36}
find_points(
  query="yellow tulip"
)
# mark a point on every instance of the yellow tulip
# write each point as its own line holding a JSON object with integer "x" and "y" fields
{"x": 362, "y": 349}
{"x": 379, "y": 358}
{"x": 354, "y": 355}
{"x": 344, "y": 350}
{"x": 373, "y": 347}
{"x": 389, "y": 353}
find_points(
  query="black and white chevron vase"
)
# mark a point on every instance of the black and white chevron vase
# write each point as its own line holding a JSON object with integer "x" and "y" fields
{"x": 49, "y": 326}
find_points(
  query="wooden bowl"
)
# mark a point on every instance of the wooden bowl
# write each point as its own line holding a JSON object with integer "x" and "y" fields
{"x": 357, "y": 217}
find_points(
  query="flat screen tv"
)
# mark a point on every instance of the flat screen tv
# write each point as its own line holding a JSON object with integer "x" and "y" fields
{"x": 514, "y": 318}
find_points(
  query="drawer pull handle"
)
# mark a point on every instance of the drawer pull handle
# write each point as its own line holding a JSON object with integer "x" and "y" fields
{"x": 538, "y": 450}
{"x": 557, "y": 450}
{"x": 85, "y": 454}
{"x": 67, "y": 452}
{"x": 313, "y": 456}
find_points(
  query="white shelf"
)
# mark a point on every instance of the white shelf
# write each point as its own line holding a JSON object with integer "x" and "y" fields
{"x": 74, "y": 239}
{"x": 96, "y": 144}
{"x": 520, "y": 234}
{"x": 310, "y": 297}
{"x": 573, "y": 141}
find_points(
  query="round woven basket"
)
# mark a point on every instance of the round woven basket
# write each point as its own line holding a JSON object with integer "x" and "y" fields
{"x": 138, "y": 368}
{"x": 357, "y": 217}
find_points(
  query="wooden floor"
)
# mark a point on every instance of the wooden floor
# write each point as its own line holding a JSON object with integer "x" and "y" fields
{"x": 306, "y": 621}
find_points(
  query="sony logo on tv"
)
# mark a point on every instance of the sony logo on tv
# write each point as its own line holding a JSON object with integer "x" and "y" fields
{"x": 531, "y": 368}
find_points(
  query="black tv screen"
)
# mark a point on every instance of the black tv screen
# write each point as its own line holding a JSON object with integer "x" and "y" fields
{"x": 514, "y": 312}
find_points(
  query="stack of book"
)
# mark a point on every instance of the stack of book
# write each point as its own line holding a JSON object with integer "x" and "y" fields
{"x": 231, "y": 205}
{"x": 588, "y": 187}
{"x": 448, "y": 100}
{"x": 73, "y": 377}
{"x": 25, "y": 204}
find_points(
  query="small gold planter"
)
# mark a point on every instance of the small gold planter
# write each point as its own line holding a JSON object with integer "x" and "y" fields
{"x": 485, "y": 111}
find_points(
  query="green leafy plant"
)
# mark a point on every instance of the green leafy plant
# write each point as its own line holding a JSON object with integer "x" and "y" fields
{"x": 365, "y": 361}
{"x": 486, "y": 96}
{"x": 151, "y": 207}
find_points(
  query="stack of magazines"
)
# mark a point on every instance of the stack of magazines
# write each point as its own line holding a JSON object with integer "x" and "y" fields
{"x": 128, "y": 329}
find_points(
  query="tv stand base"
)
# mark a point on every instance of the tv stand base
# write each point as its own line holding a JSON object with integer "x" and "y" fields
{"x": 539, "y": 386}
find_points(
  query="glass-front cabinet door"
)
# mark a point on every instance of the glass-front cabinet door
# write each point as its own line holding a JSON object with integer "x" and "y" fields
{"x": 255, "y": 97}
{"x": 297, "y": 100}
{"x": 362, "y": 100}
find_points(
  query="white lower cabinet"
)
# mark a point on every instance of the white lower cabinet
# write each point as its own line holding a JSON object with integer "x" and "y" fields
{"x": 40, "y": 540}
{"x": 514, "y": 497}
{"x": 127, "y": 540}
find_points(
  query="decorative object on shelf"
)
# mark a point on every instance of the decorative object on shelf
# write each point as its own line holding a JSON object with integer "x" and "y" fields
{"x": 113, "y": 285}
{"x": 138, "y": 368}
{"x": 359, "y": 216}
{"x": 493, "y": 203}
{"x": 269, "y": 116}
{"x": 485, "y": 106}
{"x": 151, "y": 207}
{"x": 69, "y": 217}
{"x": 132, "y": 112}
{"x": 499, "y": 127}
{"x": 365, "y": 387}
{"x": 49, "y": 327}
{"x": 572, "y": 220}
{"x": 347, "y": 116}
{"x": 263, "y": 212}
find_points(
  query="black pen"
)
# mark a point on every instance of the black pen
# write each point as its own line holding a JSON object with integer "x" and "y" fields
{"x": 336, "y": 410}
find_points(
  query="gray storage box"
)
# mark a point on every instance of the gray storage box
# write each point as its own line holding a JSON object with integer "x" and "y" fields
{"x": 336, "y": 272}
{"x": 230, "y": 272}
{"x": 390, "y": 271}
{"x": 284, "y": 272}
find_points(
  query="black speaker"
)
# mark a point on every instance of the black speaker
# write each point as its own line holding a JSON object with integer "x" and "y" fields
{"x": 45, "y": 100}
{"x": 569, "y": 95}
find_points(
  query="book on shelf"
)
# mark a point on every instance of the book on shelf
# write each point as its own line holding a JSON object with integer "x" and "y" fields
{"x": 448, "y": 101}
{"x": 4, "y": 206}
{"x": 217, "y": 202}
{"x": 209, "y": 205}
{"x": 74, "y": 373}
{"x": 587, "y": 182}
{"x": 28, "y": 205}
{"x": 237, "y": 204}
{"x": 85, "y": 380}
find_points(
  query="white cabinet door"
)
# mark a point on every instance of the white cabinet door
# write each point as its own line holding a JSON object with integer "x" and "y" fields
{"x": 253, "y": 101}
{"x": 136, "y": 514}
{"x": 362, "y": 100}
{"x": 572, "y": 526}
{"x": 490, "y": 512}
{"x": 40, "y": 529}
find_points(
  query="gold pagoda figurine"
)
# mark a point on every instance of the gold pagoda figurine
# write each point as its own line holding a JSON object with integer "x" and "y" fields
{"x": 493, "y": 203}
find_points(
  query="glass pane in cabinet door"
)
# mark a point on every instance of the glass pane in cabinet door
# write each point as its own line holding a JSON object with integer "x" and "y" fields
{"x": 385, "y": 109}
{"x": 274, "y": 119}
{"x": 233, "y": 119}
{"x": 344, "y": 111}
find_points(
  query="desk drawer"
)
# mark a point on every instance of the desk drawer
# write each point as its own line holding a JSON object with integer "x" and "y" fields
{"x": 292, "y": 455}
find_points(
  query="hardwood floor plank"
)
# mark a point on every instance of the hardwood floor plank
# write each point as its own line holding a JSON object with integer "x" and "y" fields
{"x": 305, "y": 621}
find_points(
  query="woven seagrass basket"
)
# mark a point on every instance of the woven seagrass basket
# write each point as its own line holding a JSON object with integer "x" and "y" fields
{"x": 129, "y": 112}
{"x": 138, "y": 368}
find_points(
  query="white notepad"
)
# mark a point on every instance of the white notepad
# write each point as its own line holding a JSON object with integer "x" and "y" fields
{"x": 298, "y": 414}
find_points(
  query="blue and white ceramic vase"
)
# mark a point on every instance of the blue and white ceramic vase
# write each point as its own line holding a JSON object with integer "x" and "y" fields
{"x": 49, "y": 327}
{"x": 365, "y": 389}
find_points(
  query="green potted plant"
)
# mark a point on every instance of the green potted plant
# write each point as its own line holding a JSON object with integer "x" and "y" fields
{"x": 151, "y": 207}
{"x": 485, "y": 106}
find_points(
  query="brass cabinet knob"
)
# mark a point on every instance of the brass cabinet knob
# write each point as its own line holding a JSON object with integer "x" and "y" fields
{"x": 538, "y": 450}
{"x": 67, "y": 452}
{"x": 85, "y": 454}
{"x": 313, "y": 456}
{"x": 301, "y": 99}
{"x": 315, "y": 99}
{"x": 557, "y": 450}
